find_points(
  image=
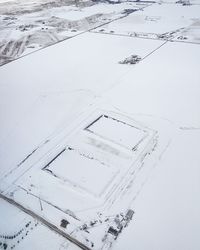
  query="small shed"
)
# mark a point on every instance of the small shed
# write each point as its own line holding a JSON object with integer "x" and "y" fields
{"x": 113, "y": 231}
{"x": 129, "y": 215}
{"x": 64, "y": 223}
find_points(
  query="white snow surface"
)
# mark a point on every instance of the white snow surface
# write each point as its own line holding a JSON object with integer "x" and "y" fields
{"x": 47, "y": 101}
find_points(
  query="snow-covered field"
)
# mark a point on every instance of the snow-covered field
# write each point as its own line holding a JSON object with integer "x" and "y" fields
{"x": 29, "y": 26}
{"x": 155, "y": 22}
{"x": 94, "y": 151}
{"x": 27, "y": 233}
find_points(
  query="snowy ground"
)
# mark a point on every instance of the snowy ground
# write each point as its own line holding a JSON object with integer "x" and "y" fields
{"x": 25, "y": 232}
{"x": 30, "y": 26}
{"x": 85, "y": 138}
{"x": 155, "y": 22}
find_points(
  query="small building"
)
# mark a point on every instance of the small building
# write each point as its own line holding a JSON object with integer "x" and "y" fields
{"x": 129, "y": 215}
{"x": 64, "y": 223}
{"x": 113, "y": 231}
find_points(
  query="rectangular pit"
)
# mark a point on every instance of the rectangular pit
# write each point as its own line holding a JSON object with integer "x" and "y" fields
{"x": 81, "y": 171}
{"x": 117, "y": 131}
